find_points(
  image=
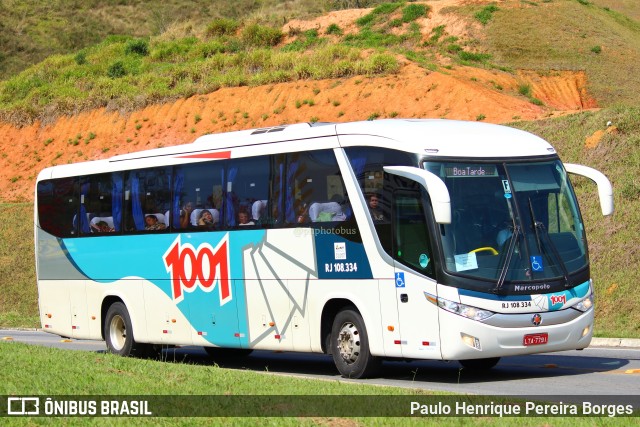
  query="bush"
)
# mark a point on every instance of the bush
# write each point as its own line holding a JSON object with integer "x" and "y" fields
{"x": 380, "y": 64}
{"x": 365, "y": 20}
{"x": 413, "y": 12}
{"x": 137, "y": 47}
{"x": 261, "y": 36}
{"x": 80, "y": 58}
{"x": 334, "y": 29}
{"x": 472, "y": 56}
{"x": 222, "y": 27}
{"x": 116, "y": 70}
{"x": 485, "y": 15}
{"x": 524, "y": 89}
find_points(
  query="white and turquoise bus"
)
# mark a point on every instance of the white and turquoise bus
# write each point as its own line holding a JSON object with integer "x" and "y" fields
{"x": 389, "y": 239}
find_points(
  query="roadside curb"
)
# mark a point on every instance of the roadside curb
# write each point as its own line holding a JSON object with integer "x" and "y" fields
{"x": 615, "y": 342}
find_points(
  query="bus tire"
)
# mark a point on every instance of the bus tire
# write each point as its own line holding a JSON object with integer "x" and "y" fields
{"x": 479, "y": 364}
{"x": 118, "y": 333}
{"x": 350, "y": 346}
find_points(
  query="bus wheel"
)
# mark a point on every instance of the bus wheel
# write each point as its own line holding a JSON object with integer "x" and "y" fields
{"x": 350, "y": 346}
{"x": 118, "y": 333}
{"x": 221, "y": 354}
{"x": 479, "y": 364}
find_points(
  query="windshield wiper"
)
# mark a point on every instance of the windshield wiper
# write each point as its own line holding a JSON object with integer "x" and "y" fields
{"x": 537, "y": 225}
{"x": 515, "y": 236}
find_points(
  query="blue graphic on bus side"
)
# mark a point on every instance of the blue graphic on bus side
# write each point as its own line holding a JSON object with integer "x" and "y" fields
{"x": 211, "y": 304}
{"x": 339, "y": 258}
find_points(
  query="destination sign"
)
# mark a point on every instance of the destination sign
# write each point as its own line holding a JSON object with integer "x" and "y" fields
{"x": 466, "y": 170}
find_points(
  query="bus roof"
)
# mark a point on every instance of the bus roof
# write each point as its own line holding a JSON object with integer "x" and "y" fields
{"x": 448, "y": 138}
{"x": 433, "y": 137}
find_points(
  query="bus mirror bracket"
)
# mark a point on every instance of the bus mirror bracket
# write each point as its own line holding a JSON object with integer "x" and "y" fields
{"x": 433, "y": 184}
{"x": 605, "y": 190}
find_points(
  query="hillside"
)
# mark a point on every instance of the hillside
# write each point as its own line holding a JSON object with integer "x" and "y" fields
{"x": 445, "y": 63}
{"x": 465, "y": 93}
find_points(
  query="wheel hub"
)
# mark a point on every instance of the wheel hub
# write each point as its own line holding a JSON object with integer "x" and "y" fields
{"x": 118, "y": 332}
{"x": 349, "y": 343}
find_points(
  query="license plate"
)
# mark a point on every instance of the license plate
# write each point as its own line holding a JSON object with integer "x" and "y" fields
{"x": 535, "y": 339}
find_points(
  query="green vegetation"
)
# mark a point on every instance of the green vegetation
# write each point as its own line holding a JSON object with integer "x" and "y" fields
{"x": 175, "y": 49}
{"x": 31, "y": 30}
{"x": 563, "y": 35}
{"x": 19, "y": 301}
{"x": 129, "y": 73}
{"x": 47, "y": 371}
{"x": 485, "y": 15}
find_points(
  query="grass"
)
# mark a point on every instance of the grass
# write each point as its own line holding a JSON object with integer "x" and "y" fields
{"x": 48, "y": 372}
{"x": 126, "y": 73}
{"x": 131, "y": 72}
{"x": 19, "y": 299}
{"x": 33, "y": 30}
{"x": 602, "y": 42}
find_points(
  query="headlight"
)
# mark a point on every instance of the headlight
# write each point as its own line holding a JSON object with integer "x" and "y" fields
{"x": 463, "y": 310}
{"x": 585, "y": 304}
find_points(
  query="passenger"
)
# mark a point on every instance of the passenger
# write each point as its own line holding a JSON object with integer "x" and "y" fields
{"x": 185, "y": 215}
{"x": 152, "y": 223}
{"x": 243, "y": 218}
{"x": 302, "y": 212}
{"x": 206, "y": 219}
{"x": 376, "y": 212}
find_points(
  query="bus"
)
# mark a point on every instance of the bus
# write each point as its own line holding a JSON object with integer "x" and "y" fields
{"x": 369, "y": 241}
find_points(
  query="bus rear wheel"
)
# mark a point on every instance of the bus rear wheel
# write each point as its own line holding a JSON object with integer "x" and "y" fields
{"x": 479, "y": 364}
{"x": 118, "y": 333}
{"x": 350, "y": 346}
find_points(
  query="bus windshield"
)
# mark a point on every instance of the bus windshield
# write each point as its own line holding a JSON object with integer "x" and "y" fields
{"x": 511, "y": 221}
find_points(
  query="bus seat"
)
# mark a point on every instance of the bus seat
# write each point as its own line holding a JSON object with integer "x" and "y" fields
{"x": 167, "y": 221}
{"x": 258, "y": 208}
{"x": 95, "y": 220}
{"x": 325, "y": 212}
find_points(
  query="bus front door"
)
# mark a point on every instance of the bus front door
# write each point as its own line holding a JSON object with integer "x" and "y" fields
{"x": 414, "y": 270}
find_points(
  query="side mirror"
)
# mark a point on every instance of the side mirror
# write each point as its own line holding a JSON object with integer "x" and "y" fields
{"x": 433, "y": 184}
{"x": 605, "y": 190}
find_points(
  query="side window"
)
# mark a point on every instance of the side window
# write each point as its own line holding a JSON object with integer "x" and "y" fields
{"x": 278, "y": 189}
{"x": 198, "y": 197}
{"x": 247, "y": 192}
{"x": 100, "y": 203}
{"x": 58, "y": 202}
{"x": 411, "y": 235}
{"x": 367, "y": 164}
{"x": 147, "y": 199}
{"x": 315, "y": 191}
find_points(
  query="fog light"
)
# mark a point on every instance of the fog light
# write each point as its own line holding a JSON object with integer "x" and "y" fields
{"x": 470, "y": 341}
{"x": 586, "y": 330}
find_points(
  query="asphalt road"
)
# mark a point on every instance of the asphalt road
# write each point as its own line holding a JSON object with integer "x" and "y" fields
{"x": 606, "y": 374}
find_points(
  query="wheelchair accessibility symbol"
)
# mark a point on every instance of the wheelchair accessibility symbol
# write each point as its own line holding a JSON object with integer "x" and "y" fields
{"x": 399, "y": 280}
{"x": 536, "y": 263}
